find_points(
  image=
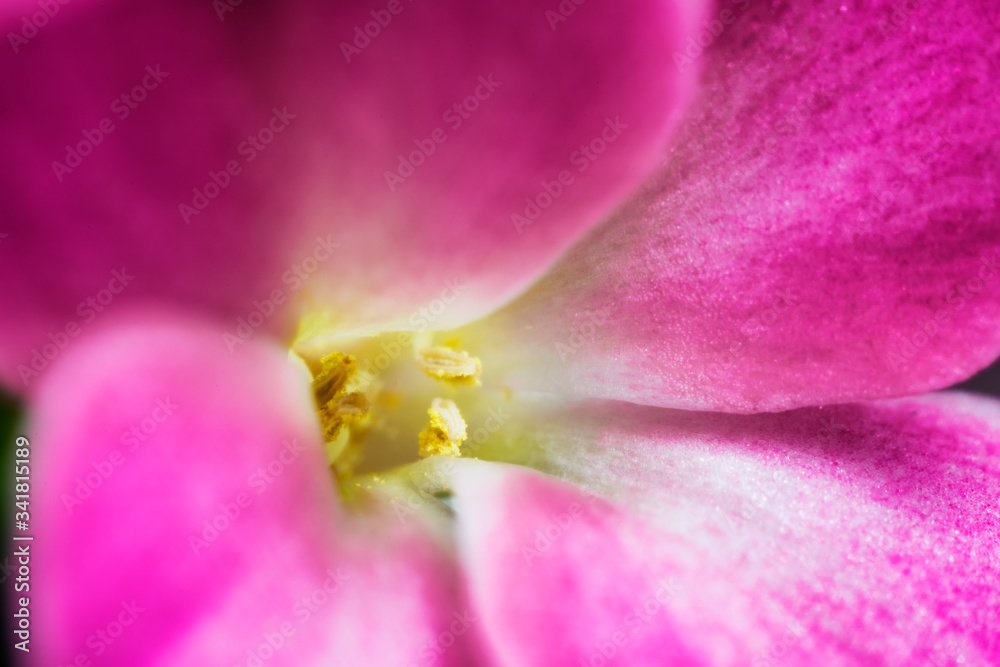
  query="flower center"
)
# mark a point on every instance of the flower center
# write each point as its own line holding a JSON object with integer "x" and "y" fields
{"x": 372, "y": 401}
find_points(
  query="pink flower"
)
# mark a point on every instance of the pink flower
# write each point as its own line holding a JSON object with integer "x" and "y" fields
{"x": 197, "y": 188}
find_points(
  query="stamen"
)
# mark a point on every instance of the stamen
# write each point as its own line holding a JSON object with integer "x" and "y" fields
{"x": 450, "y": 365}
{"x": 341, "y": 401}
{"x": 333, "y": 374}
{"x": 340, "y": 409}
{"x": 445, "y": 430}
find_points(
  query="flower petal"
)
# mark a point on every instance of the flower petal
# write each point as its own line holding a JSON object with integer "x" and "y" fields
{"x": 183, "y": 494}
{"x": 826, "y": 228}
{"x": 223, "y": 154}
{"x": 561, "y": 578}
{"x": 858, "y": 534}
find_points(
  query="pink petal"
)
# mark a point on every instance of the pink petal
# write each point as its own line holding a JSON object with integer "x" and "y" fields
{"x": 156, "y": 433}
{"x": 560, "y": 577}
{"x": 826, "y": 228}
{"x": 445, "y": 233}
{"x": 852, "y": 535}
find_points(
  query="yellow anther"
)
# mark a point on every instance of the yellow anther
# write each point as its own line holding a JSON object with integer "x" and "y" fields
{"x": 340, "y": 410}
{"x": 331, "y": 376}
{"x": 445, "y": 430}
{"x": 341, "y": 402}
{"x": 450, "y": 365}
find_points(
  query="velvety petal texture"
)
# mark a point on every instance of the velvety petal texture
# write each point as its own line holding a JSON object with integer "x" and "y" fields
{"x": 265, "y": 160}
{"x": 825, "y": 227}
{"x": 863, "y": 534}
{"x": 188, "y": 517}
{"x": 560, "y": 577}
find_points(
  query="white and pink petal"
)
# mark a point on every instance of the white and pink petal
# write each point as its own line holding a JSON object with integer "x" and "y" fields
{"x": 852, "y": 535}
{"x": 824, "y": 227}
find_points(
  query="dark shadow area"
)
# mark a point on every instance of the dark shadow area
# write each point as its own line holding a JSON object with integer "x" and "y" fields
{"x": 10, "y": 414}
{"x": 986, "y": 381}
